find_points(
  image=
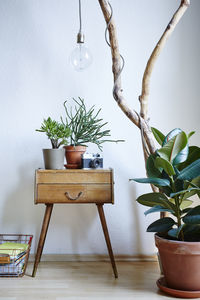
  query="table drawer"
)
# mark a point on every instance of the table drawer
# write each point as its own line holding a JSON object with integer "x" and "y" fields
{"x": 97, "y": 176}
{"x": 73, "y": 193}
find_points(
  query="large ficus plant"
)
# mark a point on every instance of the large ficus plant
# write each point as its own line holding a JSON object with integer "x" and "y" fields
{"x": 175, "y": 170}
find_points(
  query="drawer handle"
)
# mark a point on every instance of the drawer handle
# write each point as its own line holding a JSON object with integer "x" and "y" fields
{"x": 73, "y": 198}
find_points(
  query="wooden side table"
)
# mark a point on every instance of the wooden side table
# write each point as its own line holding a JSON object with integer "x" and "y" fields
{"x": 73, "y": 186}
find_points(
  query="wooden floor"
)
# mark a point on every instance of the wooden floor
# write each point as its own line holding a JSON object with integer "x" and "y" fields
{"x": 85, "y": 280}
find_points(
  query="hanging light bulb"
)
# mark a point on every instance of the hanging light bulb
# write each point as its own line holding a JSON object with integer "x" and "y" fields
{"x": 80, "y": 58}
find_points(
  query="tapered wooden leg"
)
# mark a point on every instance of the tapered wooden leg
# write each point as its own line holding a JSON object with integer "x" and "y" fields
{"x": 107, "y": 238}
{"x": 43, "y": 234}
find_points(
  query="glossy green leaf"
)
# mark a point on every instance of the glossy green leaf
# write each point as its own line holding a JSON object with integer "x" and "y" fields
{"x": 159, "y": 136}
{"x": 191, "y": 228}
{"x": 166, "y": 165}
{"x": 153, "y": 180}
{"x": 194, "y": 154}
{"x": 184, "y": 191}
{"x": 193, "y": 216}
{"x": 173, "y": 147}
{"x": 179, "y": 185}
{"x": 157, "y": 208}
{"x": 172, "y": 200}
{"x": 183, "y": 154}
{"x": 185, "y": 203}
{"x": 161, "y": 225}
{"x": 166, "y": 190}
{"x": 190, "y": 194}
{"x": 191, "y": 134}
{"x": 171, "y": 134}
{"x": 185, "y": 210}
{"x": 152, "y": 171}
{"x": 174, "y": 232}
{"x": 153, "y": 199}
{"x": 195, "y": 182}
{"x": 190, "y": 172}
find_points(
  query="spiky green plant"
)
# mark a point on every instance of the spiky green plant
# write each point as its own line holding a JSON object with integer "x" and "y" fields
{"x": 85, "y": 125}
{"x": 175, "y": 170}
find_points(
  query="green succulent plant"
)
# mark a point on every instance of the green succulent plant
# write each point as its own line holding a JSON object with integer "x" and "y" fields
{"x": 85, "y": 125}
{"x": 175, "y": 170}
{"x": 57, "y": 132}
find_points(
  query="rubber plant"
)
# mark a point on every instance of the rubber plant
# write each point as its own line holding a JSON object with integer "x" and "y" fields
{"x": 175, "y": 170}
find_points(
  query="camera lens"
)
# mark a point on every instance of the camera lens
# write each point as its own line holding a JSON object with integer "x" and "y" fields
{"x": 95, "y": 163}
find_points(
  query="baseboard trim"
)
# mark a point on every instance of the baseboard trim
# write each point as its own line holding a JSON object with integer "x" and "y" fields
{"x": 95, "y": 257}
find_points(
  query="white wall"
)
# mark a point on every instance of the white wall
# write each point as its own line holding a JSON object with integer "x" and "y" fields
{"x": 36, "y": 38}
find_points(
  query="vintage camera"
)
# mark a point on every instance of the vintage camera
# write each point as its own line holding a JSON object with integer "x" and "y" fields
{"x": 91, "y": 161}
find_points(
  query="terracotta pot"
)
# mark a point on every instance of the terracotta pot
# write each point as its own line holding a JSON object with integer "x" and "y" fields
{"x": 180, "y": 263}
{"x": 73, "y": 156}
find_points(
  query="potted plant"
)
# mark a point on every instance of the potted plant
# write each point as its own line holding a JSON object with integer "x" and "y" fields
{"x": 175, "y": 170}
{"x": 85, "y": 127}
{"x": 58, "y": 134}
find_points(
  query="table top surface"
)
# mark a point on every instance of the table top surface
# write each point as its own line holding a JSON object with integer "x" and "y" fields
{"x": 74, "y": 170}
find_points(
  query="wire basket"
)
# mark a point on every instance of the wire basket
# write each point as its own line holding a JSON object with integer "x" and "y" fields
{"x": 14, "y": 254}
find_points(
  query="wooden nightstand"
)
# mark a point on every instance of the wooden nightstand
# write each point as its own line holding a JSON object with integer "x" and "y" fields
{"x": 70, "y": 187}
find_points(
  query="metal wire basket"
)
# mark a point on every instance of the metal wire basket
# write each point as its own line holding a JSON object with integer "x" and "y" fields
{"x": 14, "y": 254}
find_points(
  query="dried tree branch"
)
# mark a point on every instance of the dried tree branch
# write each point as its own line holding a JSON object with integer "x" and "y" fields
{"x": 138, "y": 120}
{"x": 151, "y": 62}
{"x": 118, "y": 92}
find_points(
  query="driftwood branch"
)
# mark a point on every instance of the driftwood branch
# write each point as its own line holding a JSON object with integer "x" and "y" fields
{"x": 140, "y": 120}
{"x": 116, "y": 68}
{"x": 151, "y": 62}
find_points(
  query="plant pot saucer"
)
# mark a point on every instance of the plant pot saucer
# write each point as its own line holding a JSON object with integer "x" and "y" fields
{"x": 72, "y": 166}
{"x": 161, "y": 283}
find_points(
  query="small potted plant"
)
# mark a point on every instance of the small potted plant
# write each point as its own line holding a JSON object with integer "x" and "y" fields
{"x": 175, "y": 170}
{"x": 85, "y": 127}
{"x": 58, "y": 134}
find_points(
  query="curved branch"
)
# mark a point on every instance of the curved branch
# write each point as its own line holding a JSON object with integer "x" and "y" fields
{"x": 158, "y": 48}
{"x": 116, "y": 65}
{"x": 116, "y": 68}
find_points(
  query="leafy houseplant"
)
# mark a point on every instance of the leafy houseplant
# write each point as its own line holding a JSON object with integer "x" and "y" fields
{"x": 175, "y": 170}
{"x": 57, "y": 133}
{"x": 85, "y": 127}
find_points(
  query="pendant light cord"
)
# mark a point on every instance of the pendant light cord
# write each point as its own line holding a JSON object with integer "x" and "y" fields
{"x": 80, "y": 17}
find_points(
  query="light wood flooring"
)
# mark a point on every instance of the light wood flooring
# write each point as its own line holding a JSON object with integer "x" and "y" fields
{"x": 85, "y": 280}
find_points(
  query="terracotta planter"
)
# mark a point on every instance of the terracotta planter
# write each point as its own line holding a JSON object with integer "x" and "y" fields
{"x": 180, "y": 263}
{"x": 73, "y": 156}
